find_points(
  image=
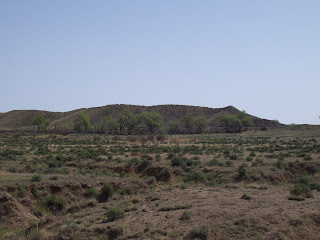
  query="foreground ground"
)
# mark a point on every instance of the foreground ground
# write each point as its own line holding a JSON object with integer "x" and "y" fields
{"x": 254, "y": 185}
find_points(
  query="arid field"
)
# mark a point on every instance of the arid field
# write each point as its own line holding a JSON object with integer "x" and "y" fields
{"x": 253, "y": 185}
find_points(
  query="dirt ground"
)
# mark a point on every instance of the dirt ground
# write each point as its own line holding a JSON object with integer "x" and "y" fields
{"x": 182, "y": 188}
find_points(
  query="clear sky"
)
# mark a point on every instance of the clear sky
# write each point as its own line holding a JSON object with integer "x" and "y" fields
{"x": 259, "y": 56}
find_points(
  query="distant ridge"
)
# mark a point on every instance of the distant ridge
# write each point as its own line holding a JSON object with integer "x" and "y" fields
{"x": 20, "y": 120}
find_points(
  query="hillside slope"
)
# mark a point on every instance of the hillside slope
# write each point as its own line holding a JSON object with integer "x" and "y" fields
{"x": 20, "y": 120}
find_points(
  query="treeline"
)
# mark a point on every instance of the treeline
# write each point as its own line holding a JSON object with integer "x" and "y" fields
{"x": 128, "y": 123}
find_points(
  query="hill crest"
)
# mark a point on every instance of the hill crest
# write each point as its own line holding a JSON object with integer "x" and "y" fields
{"x": 20, "y": 120}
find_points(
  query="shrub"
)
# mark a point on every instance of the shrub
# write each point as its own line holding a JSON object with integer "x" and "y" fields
{"x": 54, "y": 203}
{"x": 245, "y": 197}
{"x": 186, "y": 216}
{"x": 177, "y": 162}
{"x": 201, "y": 233}
{"x": 115, "y": 232}
{"x": 233, "y": 157}
{"x": 106, "y": 192}
{"x": 196, "y": 176}
{"x": 36, "y": 178}
{"x": 307, "y": 158}
{"x": 114, "y": 214}
{"x": 252, "y": 154}
{"x": 134, "y": 161}
{"x": 301, "y": 190}
{"x": 315, "y": 186}
{"x": 242, "y": 171}
{"x": 249, "y": 158}
{"x": 213, "y": 162}
{"x": 311, "y": 169}
{"x": 125, "y": 191}
{"x": 174, "y": 208}
{"x": 21, "y": 192}
{"x": 160, "y": 138}
{"x": 143, "y": 165}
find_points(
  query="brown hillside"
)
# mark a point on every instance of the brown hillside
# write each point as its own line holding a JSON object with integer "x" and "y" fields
{"x": 20, "y": 120}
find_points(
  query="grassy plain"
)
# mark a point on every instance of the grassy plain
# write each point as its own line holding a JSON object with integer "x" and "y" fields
{"x": 253, "y": 185}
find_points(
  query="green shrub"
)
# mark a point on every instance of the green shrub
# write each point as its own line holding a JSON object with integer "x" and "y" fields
{"x": 307, "y": 158}
{"x": 177, "y": 162}
{"x": 201, "y": 233}
{"x": 144, "y": 164}
{"x": 245, "y": 197}
{"x": 125, "y": 191}
{"x": 233, "y": 157}
{"x": 242, "y": 171}
{"x": 12, "y": 169}
{"x": 174, "y": 208}
{"x": 315, "y": 186}
{"x": 36, "y": 178}
{"x": 134, "y": 161}
{"x": 252, "y": 154}
{"x": 21, "y": 192}
{"x": 196, "y": 176}
{"x": 301, "y": 190}
{"x": 249, "y": 158}
{"x": 106, "y": 192}
{"x": 213, "y": 162}
{"x": 54, "y": 203}
{"x": 184, "y": 185}
{"x": 114, "y": 232}
{"x": 186, "y": 215}
{"x": 114, "y": 214}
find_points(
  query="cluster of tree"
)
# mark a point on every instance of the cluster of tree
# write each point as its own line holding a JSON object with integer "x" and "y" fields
{"x": 41, "y": 123}
{"x": 126, "y": 122}
{"x": 233, "y": 123}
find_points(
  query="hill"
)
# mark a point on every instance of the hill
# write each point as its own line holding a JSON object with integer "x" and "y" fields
{"x": 20, "y": 120}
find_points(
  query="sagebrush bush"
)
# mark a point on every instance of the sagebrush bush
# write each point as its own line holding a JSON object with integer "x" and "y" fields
{"x": 242, "y": 171}
{"x": 106, "y": 192}
{"x": 301, "y": 190}
{"x": 201, "y": 233}
{"x": 54, "y": 203}
{"x": 186, "y": 215}
{"x": 114, "y": 214}
{"x": 196, "y": 176}
{"x": 36, "y": 178}
{"x": 21, "y": 192}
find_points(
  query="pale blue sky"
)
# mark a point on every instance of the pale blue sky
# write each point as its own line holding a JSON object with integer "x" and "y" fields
{"x": 259, "y": 56}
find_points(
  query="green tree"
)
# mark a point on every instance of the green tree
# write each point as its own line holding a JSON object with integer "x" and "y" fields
{"x": 234, "y": 123}
{"x": 46, "y": 123}
{"x": 188, "y": 121}
{"x": 231, "y": 123}
{"x": 173, "y": 127}
{"x": 245, "y": 119}
{"x": 127, "y": 122}
{"x": 111, "y": 125}
{"x": 38, "y": 120}
{"x": 200, "y": 123}
{"x": 152, "y": 120}
{"x": 82, "y": 122}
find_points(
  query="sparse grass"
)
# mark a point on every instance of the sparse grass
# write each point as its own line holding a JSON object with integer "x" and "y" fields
{"x": 176, "y": 207}
{"x": 199, "y": 169}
